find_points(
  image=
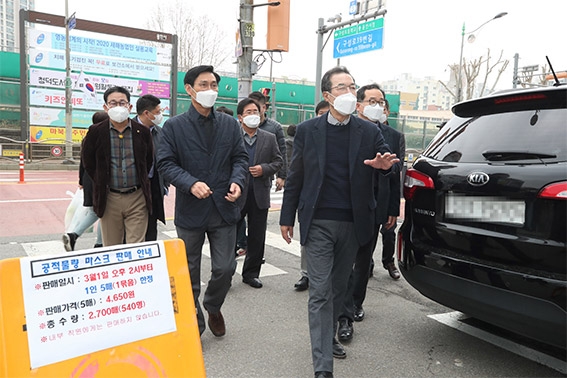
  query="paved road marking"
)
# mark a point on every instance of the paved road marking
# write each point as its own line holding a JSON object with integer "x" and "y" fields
{"x": 50, "y": 247}
{"x": 267, "y": 269}
{"x": 452, "y": 319}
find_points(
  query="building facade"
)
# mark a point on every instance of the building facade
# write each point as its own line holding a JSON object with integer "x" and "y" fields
{"x": 9, "y": 23}
{"x": 430, "y": 93}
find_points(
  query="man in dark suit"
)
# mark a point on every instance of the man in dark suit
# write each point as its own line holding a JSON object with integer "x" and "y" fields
{"x": 330, "y": 184}
{"x": 371, "y": 106}
{"x": 117, "y": 155}
{"x": 201, "y": 152}
{"x": 265, "y": 160}
{"x": 150, "y": 115}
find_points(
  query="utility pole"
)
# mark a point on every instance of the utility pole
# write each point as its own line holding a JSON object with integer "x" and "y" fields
{"x": 516, "y": 79}
{"x": 245, "y": 60}
{"x": 68, "y": 93}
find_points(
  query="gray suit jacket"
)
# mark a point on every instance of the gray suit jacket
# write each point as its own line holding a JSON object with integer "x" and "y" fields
{"x": 305, "y": 177}
{"x": 269, "y": 157}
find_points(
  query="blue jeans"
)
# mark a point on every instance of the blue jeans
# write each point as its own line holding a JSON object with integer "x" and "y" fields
{"x": 83, "y": 219}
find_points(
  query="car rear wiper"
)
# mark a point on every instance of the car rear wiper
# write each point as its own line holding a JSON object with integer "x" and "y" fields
{"x": 511, "y": 155}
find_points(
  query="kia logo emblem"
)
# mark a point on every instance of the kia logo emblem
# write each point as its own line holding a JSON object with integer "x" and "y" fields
{"x": 477, "y": 178}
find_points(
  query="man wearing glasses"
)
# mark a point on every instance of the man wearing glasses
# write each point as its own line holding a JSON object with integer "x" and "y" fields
{"x": 117, "y": 154}
{"x": 372, "y": 106}
{"x": 330, "y": 184}
{"x": 201, "y": 152}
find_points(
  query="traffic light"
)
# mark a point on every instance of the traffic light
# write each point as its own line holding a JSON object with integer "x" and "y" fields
{"x": 266, "y": 93}
{"x": 278, "y": 27}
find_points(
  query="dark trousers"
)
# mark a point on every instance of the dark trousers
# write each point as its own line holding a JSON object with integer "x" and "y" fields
{"x": 222, "y": 237}
{"x": 358, "y": 280}
{"x": 241, "y": 239}
{"x": 330, "y": 248}
{"x": 157, "y": 209}
{"x": 257, "y": 220}
{"x": 388, "y": 244}
{"x": 151, "y": 232}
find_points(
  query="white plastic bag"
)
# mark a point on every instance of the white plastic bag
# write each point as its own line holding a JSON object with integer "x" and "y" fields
{"x": 75, "y": 205}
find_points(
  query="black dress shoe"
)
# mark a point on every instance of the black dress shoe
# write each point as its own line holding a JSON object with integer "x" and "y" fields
{"x": 392, "y": 270}
{"x": 338, "y": 350}
{"x": 302, "y": 284}
{"x": 323, "y": 374}
{"x": 254, "y": 282}
{"x": 345, "y": 330}
{"x": 358, "y": 314}
{"x": 216, "y": 324}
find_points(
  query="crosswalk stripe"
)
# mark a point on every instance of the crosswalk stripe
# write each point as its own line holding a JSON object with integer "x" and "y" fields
{"x": 267, "y": 269}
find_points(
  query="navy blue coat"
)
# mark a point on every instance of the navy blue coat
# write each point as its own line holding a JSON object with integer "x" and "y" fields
{"x": 183, "y": 159}
{"x": 306, "y": 173}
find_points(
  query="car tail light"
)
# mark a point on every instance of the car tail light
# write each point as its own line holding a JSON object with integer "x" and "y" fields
{"x": 557, "y": 190}
{"x": 415, "y": 180}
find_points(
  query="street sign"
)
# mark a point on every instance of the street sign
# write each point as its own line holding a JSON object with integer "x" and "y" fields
{"x": 352, "y": 8}
{"x": 72, "y": 22}
{"x": 56, "y": 151}
{"x": 359, "y": 38}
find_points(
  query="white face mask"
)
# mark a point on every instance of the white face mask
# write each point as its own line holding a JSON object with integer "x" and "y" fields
{"x": 206, "y": 98}
{"x": 252, "y": 120}
{"x": 373, "y": 113}
{"x": 383, "y": 118}
{"x": 158, "y": 118}
{"x": 118, "y": 114}
{"x": 345, "y": 103}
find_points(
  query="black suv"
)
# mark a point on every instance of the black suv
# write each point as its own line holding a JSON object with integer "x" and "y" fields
{"x": 485, "y": 215}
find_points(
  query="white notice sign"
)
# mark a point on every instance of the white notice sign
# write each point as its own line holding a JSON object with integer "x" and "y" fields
{"x": 77, "y": 304}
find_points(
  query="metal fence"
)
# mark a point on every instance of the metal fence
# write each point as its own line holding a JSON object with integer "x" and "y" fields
{"x": 418, "y": 134}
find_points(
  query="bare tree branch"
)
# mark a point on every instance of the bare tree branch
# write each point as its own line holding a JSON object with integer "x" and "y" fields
{"x": 200, "y": 39}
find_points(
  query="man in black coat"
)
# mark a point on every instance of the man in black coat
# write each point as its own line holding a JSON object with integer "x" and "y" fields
{"x": 331, "y": 186}
{"x": 371, "y": 106}
{"x": 201, "y": 152}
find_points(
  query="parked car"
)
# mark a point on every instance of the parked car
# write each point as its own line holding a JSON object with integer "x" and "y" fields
{"x": 485, "y": 215}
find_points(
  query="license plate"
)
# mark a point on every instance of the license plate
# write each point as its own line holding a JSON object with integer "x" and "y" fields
{"x": 485, "y": 209}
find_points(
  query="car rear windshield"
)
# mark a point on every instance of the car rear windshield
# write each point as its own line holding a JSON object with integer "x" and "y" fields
{"x": 522, "y": 137}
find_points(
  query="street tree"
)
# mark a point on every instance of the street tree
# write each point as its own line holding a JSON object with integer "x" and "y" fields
{"x": 471, "y": 70}
{"x": 200, "y": 39}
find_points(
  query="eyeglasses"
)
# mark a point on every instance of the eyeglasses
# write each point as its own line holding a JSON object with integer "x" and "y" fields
{"x": 251, "y": 112}
{"x": 341, "y": 88}
{"x": 373, "y": 102}
{"x": 112, "y": 104}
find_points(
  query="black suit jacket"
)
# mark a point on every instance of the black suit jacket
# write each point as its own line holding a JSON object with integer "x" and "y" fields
{"x": 157, "y": 184}
{"x": 389, "y": 187}
{"x": 307, "y": 170}
{"x": 95, "y": 155}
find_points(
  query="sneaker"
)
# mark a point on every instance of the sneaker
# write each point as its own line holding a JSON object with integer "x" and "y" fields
{"x": 69, "y": 241}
